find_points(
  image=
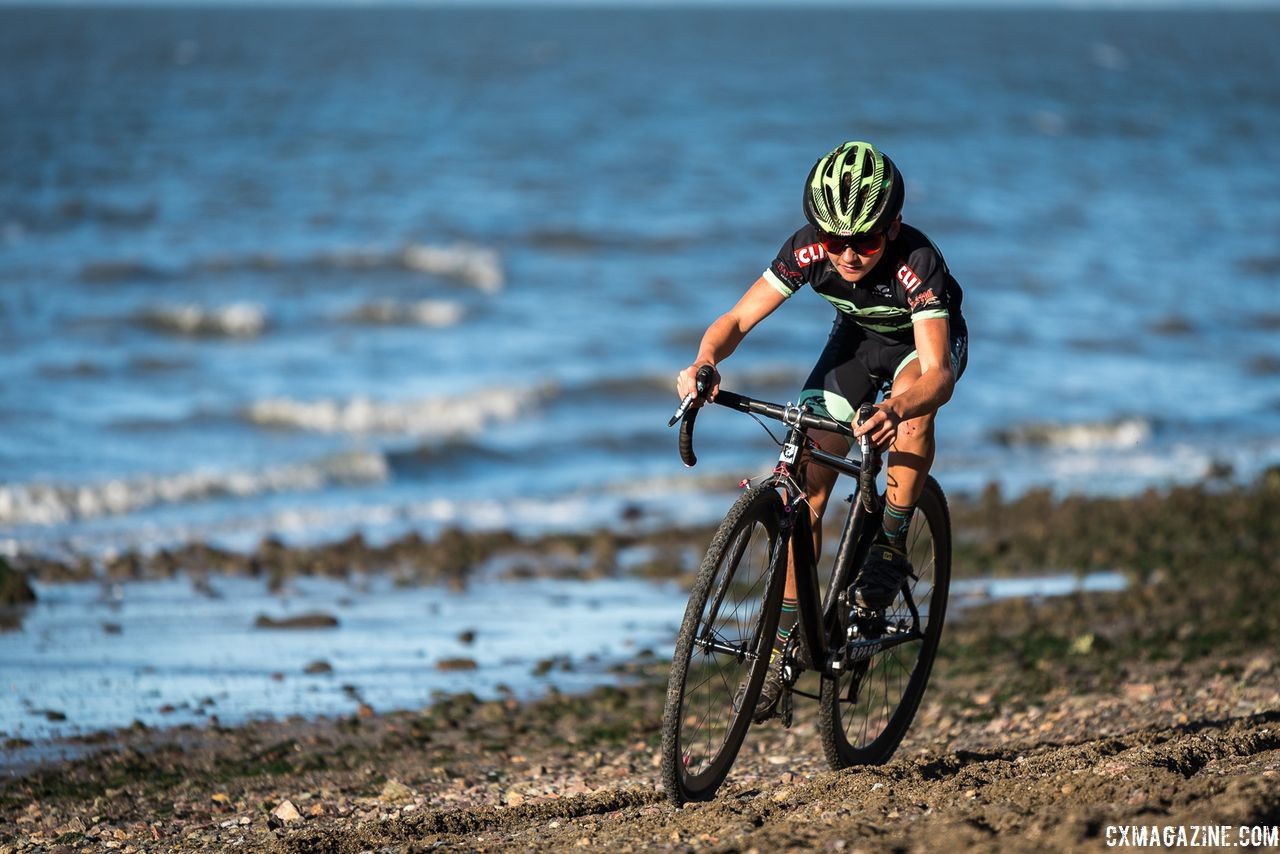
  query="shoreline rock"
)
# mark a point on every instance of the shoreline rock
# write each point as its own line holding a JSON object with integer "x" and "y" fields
{"x": 14, "y": 587}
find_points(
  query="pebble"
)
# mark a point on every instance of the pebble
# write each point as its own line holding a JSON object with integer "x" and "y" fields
{"x": 287, "y": 813}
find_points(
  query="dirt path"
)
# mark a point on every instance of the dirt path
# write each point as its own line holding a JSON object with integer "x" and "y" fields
{"x": 1022, "y": 795}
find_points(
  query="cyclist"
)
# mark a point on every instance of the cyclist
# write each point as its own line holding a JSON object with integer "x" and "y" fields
{"x": 898, "y": 328}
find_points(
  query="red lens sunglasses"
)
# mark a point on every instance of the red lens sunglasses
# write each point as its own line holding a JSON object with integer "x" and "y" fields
{"x": 862, "y": 244}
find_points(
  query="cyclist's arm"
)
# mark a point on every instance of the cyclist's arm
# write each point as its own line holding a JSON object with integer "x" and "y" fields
{"x": 726, "y": 333}
{"x": 927, "y": 394}
{"x": 937, "y": 381}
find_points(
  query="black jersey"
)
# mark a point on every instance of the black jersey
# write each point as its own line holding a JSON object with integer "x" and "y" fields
{"x": 911, "y": 282}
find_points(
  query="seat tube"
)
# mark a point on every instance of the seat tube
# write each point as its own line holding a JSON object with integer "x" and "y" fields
{"x": 807, "y": 588}
{"x": 846, "y": 556}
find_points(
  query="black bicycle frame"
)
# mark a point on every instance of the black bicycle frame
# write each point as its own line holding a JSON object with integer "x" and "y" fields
{"x": 818, "y": 620}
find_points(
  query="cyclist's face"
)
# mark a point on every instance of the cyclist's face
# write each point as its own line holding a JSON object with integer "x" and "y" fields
{"x": 853, "y": 263}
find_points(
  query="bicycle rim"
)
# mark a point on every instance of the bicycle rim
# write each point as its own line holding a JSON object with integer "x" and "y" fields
{"x": 865, "y": 712}
{"x": 723, "y": 648}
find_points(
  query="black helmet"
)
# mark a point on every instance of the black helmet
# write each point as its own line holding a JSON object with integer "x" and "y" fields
{"x": 853, "y": 190}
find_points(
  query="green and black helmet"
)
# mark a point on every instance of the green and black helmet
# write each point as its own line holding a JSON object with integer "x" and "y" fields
{"x": 855, "y": 189}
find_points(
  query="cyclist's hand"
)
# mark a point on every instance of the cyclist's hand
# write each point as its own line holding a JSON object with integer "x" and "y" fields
{"x": 882, "y": 426}
{"x": 686, "y": 384}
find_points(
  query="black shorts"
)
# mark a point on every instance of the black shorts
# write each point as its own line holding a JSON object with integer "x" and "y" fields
{"x": 855, "y": 366}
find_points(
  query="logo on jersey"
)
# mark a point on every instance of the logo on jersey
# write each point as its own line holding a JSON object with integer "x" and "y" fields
{"x": 786, "y": 273}
{"x": 918, "y": 300}
{"x": 811, "y": 253}
{"x": 908, "y": 277}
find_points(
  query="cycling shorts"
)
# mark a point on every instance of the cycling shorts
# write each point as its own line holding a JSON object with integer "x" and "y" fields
{"x": 854, "y": 366}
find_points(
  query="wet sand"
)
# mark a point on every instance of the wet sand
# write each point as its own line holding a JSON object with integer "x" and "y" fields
{"x": 1045, "y": 723}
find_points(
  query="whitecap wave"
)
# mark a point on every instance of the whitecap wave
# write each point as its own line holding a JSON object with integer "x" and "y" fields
{"x": 433, "y": 313}
{"x": 480, "y": 267}
{"x": 477, "y": 266}
{"x": 238, "y": 320}
{"x": 440, "y": 417}
{"x": 52, "y": 504}
{"x": 1129, "y": 432}
{"x": 465, "y": 262}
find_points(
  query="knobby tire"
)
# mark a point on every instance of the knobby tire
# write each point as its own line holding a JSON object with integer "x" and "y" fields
{"x": 735, "y": 603}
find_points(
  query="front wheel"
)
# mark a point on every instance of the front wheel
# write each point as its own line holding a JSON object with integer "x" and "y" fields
{"x": 722, "y": 651}
{"x": 866, "y": 711}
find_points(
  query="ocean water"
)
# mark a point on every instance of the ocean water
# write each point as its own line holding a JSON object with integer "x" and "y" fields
{"x": 93, "y": 657}
{"x": 302, "y": 272}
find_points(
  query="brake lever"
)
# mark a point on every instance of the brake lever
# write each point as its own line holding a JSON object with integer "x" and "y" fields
{"x": 684, "y": 407}
{"x": 701, "y": 379}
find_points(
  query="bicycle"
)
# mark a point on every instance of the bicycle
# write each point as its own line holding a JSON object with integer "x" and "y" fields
{"x": 873, "y": 666}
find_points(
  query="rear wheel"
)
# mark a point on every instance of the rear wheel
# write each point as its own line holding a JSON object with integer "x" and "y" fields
{"x": 866, "y": 711}
{"x": 722, "y": 651}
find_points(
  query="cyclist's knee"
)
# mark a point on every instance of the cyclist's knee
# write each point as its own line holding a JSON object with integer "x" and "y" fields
{"x": 918, "y": 429}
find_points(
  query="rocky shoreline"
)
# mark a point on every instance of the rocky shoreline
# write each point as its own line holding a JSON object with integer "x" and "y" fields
{"x": 1045, "y": 722}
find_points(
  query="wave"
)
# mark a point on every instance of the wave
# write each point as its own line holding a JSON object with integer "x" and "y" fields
{"x": 467, "y": 263}
{"x": 434, "y": 457}
{"x": 435, "y": 313}
{"x": 51, "y": 504}
{"x": 80, "y": 209}
{"x": 443, "y": 417}
{"x": 238, "y": 320}
{"x": 479, "y": 267}
{"x": 1128, "y": 432}
{"x": 106, "y": 272}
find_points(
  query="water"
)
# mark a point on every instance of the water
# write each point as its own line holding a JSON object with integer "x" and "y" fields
{"x": 93, "y": 657}
{"x": 305, "y": 272}
{"x": 158, "y": 652}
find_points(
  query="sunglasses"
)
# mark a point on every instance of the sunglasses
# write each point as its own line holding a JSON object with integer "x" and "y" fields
{"x": 862, "y": 244}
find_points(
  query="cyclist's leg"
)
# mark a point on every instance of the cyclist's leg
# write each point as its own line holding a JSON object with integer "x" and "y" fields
{"x": 907, "y": 472}
{"x": 836, "y": 386}
{"x": 912, "y": 453}
{"x": 839, "y": 383}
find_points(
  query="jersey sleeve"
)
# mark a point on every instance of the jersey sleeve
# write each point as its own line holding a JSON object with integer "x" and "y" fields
{"x": 795, "y": 262}
{"x": 925, "y": 279}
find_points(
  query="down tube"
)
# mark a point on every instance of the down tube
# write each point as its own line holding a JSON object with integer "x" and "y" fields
{"x": 807, "y": 592}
